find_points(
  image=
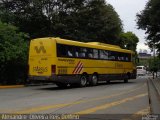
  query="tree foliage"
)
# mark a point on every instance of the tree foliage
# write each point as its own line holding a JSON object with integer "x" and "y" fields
{"x": 154, "y": 64}
{"x": 149, "y": 20}
{"x": 13, "y": 53}
{"x": 84, "y": 20}
{"x": 129, "y": 41}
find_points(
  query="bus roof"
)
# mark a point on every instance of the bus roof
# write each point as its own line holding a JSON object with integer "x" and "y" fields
{"x": 97, "y": 45}
{"x": 104, "y": 44}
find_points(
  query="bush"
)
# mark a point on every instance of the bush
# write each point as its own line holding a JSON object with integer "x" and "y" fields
{"x": 13, "y": 54}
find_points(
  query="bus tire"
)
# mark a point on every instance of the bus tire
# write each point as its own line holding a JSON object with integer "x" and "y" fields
{"x": 83, "y": 81}
{"x": 62, "y": 85}
{"x": 94, "y": 80}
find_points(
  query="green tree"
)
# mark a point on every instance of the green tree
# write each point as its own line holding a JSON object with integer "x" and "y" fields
{"x": 84, "y": 20}
{"x": 13, "y": 54}
{"x": 27, "y": 15}
{"x": 149, "y": 20}
{"x": 95, "y": 21}
{"x": 154, "y": 65}
{"x": 129, "y": 41}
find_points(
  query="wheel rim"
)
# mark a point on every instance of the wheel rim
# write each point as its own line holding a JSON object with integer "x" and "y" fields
{"x": 94, "y": 79}
{"x": 83, "y": 80}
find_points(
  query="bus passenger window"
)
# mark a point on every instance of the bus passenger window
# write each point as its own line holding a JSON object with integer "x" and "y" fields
{"x": 111, "y": 55}
{"x": 70, "y": 54}
{"x": 82, "y": 52}
{"x": 90, "y": 53}
{"x": 82, "y": 55}
{"x": 101, "y": 54}
{"x": 76, "y": 54}
{"x": 105, "y": 54}
{"x": 61, "y": 50}
{"x": 70, "y": 51}
{"x": 95, "y": 53}
{"x": 127, "y": 59}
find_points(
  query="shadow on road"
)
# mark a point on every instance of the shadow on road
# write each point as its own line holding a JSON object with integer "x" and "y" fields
{"x": 88, "y": 86}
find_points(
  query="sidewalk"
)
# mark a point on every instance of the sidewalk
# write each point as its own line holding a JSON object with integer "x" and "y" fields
{"x": 156, "y": 83}
{"x": 154, "y": 95}
{"x": 11, "y": 86}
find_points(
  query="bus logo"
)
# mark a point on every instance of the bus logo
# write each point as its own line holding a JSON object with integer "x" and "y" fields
{"x": 78, "y": 68}
{"x": 40, "y": 48}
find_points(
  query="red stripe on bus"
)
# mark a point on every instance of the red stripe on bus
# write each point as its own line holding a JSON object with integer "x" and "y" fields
{"x": 79, "y": 67}
{"x": 76, "y": 67}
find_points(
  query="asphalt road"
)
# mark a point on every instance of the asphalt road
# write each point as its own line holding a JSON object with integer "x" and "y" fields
{"x": 114, "y": 99}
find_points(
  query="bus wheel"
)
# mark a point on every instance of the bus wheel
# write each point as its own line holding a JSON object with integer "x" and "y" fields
{"x": 126, "y": 78}
{"x": 61, "y": 85}
{"x": 94, "y": 80}
{"x": 83, "y": 81}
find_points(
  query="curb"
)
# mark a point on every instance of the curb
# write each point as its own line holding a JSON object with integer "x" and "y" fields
{"x": 156, "y": 85}
{"x": 154, "y": 99}
{"x": 11, "y": 86}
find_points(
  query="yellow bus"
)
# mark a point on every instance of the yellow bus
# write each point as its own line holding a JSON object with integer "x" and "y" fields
{"x": 67, "y": 62}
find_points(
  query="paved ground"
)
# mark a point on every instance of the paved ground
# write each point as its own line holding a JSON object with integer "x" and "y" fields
{"x": 118, "y": 100}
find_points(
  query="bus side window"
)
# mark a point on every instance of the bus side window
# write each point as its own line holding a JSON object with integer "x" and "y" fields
{"x": 70, "y": 51}
{"x": 127, "y": 57}
{"x": 106, "y": 55}
{"x": 77, "y": 52}
{"x": 90, "y": 53}
{"x": 120, "y": 56}
{"x": 111, "y": 55}
{"x": 101, "y": 54}
{"x": 95, "y": 53}
{"x": 82, "y": 52}
{"x": 61, "y": 50}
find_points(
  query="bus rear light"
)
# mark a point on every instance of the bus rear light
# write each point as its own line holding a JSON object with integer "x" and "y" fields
{"x": 53, "y": 69}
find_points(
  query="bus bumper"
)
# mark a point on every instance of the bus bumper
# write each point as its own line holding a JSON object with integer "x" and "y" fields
{"x": 55, "y": 78}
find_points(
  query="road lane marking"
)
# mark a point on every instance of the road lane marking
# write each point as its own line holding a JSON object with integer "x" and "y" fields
{"x": 143, "y": 111}
{"x": 139, "y": 114}
{"x": 42, "y": 108}
{"x": 54, "y": 106}
{"x": 108, "y": 105}
{"x": 11, "y": 86}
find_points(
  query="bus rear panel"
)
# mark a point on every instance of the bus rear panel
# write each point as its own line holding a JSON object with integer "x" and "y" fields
{"x": 42, "y": 59}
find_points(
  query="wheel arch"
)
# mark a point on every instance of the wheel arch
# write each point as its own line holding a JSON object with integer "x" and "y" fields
{"x": 129, "y": 75}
